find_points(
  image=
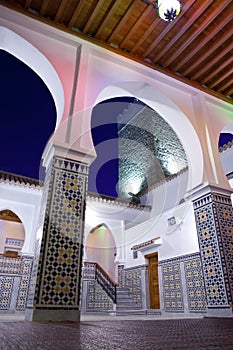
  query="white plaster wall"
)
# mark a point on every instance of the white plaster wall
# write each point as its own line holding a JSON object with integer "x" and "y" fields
{"x": 177, "y": 240}
{"x": 25, "y": 203}
{"x": 95, "y": 216}
{"x": 169, "y": 194}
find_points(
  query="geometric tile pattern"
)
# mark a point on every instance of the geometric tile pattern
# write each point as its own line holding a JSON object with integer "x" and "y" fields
{"x": 40, "y": 243}
{"x": 224, "y": 216}
{"x": 89, "y": 271}
{"x": 97, "y": 299}
{"x": 10, "y": 265}
{"x": 6, "y": 288}
{"x": 133, "y": 284}
{"x": 172, "y": 287}
{"x": 26, "y": 268}
{"x": 59, "y": 264}
{"x": 121, "y": 280}
{"x": 195, "y": 285}
{"x": 212, "y": 232}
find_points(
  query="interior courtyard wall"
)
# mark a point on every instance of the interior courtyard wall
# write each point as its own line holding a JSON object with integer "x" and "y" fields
{"x": 99, "y": 69}
{"x": 173, "y": 241}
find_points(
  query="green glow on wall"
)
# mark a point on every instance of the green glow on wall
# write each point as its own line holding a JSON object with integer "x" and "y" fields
{"x": 102, "y": 231}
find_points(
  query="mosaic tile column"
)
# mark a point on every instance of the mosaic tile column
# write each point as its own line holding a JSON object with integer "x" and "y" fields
{"x": 214, "y": 221}
{"x": 56, "y": 276}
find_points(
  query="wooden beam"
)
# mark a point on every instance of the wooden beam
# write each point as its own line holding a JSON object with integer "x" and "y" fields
{"x": 43, "y": 7}
{"x": 226, "y": 85}
{"x": 229, "y": 92}
{"x": 217, "y": 70}
{"x": 136, "y": 25}
{"x": 76, "y": 13}
{"x": 122, "y": 22}
{"x": 221, "y": 78}
{"x": 93, "y": 15}
{"x": 179, "y": 34}
{"x": 197, "y": 32}
{"x": 60, "y": 10}
{"x": 183, "y": 60}
{"x": 28, "y": 4}
{"x": 108, "y": 17}
{"x": 208, "y": 53}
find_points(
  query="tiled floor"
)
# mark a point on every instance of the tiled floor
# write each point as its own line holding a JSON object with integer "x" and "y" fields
{"x": 122, "y": 334}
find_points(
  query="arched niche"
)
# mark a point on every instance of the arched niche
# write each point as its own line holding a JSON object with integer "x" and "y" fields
{"x": 100, "y": 247}
{"x": 171, "y": 114}
{"x": 12, "y": 233}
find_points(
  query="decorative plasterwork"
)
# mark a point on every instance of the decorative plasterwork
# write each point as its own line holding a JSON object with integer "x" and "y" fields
{"x": 14, "y": 179}
{"x": 151, "y": 243}
{"x": 116, "y": 202}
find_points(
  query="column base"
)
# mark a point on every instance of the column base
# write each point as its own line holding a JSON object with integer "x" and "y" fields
{"x": 219, "y": 312}
{"x": 52, "y": 315}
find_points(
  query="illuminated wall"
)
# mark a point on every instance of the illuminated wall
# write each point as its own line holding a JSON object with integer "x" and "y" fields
{"x": 149, "y": 151}
{"x": 101, "y": 248}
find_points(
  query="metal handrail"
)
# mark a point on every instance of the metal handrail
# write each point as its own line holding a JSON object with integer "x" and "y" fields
{"x": 102, "y": 277}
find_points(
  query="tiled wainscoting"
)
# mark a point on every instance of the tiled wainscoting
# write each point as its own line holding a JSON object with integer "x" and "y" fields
{"x": 182, "y": 285}
{"x": 15, "y": 276}
{"x": 94, "y": 298}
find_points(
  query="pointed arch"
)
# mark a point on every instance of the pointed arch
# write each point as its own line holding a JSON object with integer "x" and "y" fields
{"x": 12, "y": 235}
{"x": 155, "y": 99}
{"x": 32, "y": 57}
{"x": 101, "y": 248}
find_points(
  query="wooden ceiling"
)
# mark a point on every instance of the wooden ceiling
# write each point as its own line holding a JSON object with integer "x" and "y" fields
{"x": 196, "y": 48}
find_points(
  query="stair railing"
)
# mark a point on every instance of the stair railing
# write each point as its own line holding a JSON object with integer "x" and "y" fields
{"x": 102, "y": 277}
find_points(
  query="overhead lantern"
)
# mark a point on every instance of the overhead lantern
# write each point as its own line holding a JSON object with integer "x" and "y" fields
{"x": 169, "y": 9}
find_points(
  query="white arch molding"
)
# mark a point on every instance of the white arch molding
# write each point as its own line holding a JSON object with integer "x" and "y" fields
{"x": 32, "y": 57}
{"x": 155, "y": 99}
{"x": 22, "y": 217}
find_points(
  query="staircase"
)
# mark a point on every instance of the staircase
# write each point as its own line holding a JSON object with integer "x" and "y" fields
{"x": 126, "y": 305}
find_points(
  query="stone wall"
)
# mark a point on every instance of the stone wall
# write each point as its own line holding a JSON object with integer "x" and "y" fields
{"x": 149, "y": 151}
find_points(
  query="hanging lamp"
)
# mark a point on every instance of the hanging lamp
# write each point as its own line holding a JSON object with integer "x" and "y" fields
{"x": 168, "y": 10}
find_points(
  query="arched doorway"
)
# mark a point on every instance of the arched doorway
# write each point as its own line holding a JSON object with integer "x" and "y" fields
{"x": 101, "y": 248}
{"x": 12, "y": 234}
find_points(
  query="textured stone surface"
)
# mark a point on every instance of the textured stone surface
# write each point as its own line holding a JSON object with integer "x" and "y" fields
{"x": 189, "y": 334}
{"x": 149, "y": 150}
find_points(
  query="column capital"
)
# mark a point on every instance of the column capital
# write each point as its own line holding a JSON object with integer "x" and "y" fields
{"x": 65, "y": 151}
{"x": 206, "y": 188}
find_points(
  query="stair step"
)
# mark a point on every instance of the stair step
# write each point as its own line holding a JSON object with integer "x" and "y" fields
{"x": 130, "y": 312}
{"x": 153, "y": 312}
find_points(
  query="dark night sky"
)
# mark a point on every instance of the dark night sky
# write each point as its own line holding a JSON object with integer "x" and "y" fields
{"x": 28, "y": 118}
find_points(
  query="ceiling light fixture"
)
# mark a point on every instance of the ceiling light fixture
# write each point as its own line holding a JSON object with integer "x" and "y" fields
{"x": 168, "y": 10}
